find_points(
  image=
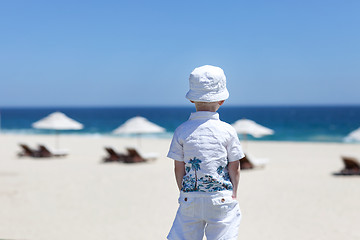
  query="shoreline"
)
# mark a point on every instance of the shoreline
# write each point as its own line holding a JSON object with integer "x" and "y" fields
{"x": 166, "y": 135}
{"x": 298, "y": 124}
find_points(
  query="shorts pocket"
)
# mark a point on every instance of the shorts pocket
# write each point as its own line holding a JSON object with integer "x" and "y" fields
{"x": 221, "y": 206}
{"x": 187, "y": 206}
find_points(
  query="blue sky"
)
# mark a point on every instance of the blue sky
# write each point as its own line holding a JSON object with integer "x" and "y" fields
{"x": 126, "y": 53}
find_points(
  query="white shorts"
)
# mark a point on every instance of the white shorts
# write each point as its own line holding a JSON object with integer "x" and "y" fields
{"x": 217, "y": 214}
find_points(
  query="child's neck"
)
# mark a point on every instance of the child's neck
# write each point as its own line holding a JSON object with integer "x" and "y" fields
{"x": 209, "y": 107}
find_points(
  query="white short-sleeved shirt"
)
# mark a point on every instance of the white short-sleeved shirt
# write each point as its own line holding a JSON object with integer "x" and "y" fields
{"x": 206, "y": 145}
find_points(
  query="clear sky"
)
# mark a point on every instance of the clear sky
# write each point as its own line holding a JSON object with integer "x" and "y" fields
{"x": 96, "y": 53}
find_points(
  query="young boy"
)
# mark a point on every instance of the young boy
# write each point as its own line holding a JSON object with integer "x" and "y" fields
{"x": 207, "y": 169}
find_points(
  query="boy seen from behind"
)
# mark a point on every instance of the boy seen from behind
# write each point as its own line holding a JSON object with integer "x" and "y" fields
{"x": 206, "y": 153}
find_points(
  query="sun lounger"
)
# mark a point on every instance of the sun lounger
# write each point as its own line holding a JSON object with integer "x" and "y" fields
{"x": 351, "y": 166}
{"x": 47, "y": 151}
{"x": 27, "y": 151}
{"x": 114, "y": 156}
{"x": 245, "y": 163}
{"x": 135, "y": 155}
{"x": 250, "y": 162}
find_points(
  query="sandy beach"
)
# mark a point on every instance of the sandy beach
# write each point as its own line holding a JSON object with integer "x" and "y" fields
{"x": 78, "y": 197}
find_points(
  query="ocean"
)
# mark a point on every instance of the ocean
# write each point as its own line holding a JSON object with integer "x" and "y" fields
{"x": 290, "y": 123}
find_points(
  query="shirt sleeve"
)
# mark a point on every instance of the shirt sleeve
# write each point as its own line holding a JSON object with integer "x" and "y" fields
{"x": 176, "y": 149}
{"x": 234, "y": 149}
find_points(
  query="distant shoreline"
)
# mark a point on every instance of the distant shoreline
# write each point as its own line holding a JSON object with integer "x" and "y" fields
{"x": 290, "y": 123}
{"x": 165, "y": 136}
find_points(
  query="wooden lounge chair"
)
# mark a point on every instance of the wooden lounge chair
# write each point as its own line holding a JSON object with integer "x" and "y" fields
{"x": 245, "y": 163}
{"x": 351, "y": 166}
{"x": 27, "y": 151}
{"x": 114, "y": 156}
{"x": 136, "y": 156}
{"x": 46, "y": 151}
{"x": 250, "y": 162}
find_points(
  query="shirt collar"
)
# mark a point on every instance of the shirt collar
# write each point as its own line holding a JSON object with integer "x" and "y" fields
{"x": 204, "y": 115}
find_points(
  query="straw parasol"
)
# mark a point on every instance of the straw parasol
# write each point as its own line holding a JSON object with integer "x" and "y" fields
{"x": 138, "y": 125}
{"x": 353, "y": 136}
{"x": 247, "y": 126}
{"x": 57, "y": 121}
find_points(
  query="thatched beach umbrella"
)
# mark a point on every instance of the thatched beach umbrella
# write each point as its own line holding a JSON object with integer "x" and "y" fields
{"x": 57, "y": 121}
{"x": 247, "y": 126}
{"x": 138, "y": 125}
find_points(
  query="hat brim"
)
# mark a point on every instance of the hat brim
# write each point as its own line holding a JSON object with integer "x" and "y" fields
{"x": 208, "y": 97}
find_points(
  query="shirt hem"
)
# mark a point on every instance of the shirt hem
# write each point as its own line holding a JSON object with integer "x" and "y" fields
{"x": 207, "y": 194}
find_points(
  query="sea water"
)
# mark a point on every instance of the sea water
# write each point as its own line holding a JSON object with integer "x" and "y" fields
{"x": 290, "y": 123}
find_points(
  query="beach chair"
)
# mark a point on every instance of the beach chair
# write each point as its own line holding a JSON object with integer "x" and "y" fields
{"x": 114, "y": 156}
{"x": 135, "y": 155}
{"x": 250, "y": 162}
{"x": 27, "y": 151}
{"x": 245, "y": 164}
{"x": 46, "y": 151}
{"x": 351, "y": 166}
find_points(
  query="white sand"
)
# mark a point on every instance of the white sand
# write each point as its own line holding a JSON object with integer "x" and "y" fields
{"x": 295, "y": 197}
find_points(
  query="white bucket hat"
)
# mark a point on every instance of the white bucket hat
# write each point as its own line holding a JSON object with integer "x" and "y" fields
{"x": 207, "y": 84}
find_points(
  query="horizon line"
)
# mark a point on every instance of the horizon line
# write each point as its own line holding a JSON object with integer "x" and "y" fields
{"x": 179, "y": 105}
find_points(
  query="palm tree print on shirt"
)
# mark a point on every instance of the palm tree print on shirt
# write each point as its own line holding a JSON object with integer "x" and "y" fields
{"x": 220, "y": 170}
{"x": 206, "y": 183}
{"x": 195, "y": 165}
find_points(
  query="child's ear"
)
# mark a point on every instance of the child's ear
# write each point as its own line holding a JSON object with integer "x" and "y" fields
{"x": 192, "y": 101}
{"x": 221, "y": 102}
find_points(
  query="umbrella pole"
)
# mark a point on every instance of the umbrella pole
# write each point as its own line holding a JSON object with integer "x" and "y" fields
{"x": 139, "y": 139}
{"x": 56, "y": 139}
{"x": 245, "y": 142}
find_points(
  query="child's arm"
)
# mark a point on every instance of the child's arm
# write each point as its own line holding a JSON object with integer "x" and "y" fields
{"x": 179, "y": 172}
{"x": 234, "y": 172}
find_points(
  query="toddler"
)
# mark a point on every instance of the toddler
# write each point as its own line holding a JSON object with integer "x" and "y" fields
{"x": 206, "y": 152}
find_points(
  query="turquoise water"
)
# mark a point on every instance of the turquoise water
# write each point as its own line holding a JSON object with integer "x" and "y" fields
{"x": 297, "y": 123}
